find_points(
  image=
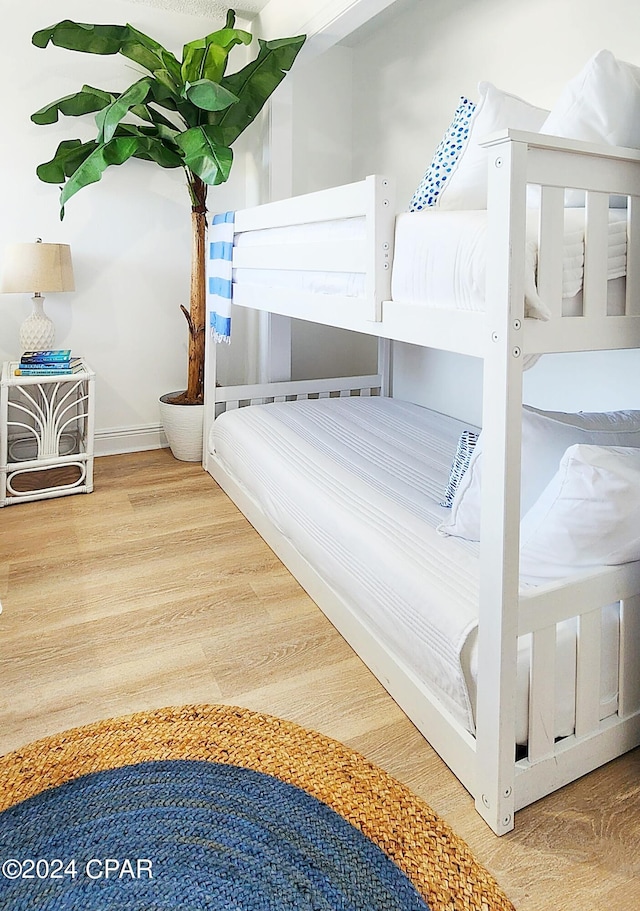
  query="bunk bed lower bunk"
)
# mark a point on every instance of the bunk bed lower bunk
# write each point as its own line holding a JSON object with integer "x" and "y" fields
{"x": 520, "y": 684}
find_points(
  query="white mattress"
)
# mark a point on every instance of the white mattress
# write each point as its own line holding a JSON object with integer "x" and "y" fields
{"x": 349, "y": 284}
{"x": 439, "y": 258}
{"x": 355, "y": 484}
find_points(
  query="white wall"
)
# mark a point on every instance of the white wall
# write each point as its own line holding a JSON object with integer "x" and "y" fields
{"x": 322, "y": 156}
{"x": 129, "y": 234}
{"x": 412, "y": 64}
{"x": 323, "y": 121}
{"x": 410, "y": 67}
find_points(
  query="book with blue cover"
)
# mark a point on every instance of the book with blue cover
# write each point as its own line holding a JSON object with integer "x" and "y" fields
{"x": 48, "y": 363}
{"x": 46, "y": 357}
{"x": 49, "y": 371}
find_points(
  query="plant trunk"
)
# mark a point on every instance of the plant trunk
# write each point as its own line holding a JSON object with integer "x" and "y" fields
{"x": 196, "y": 315}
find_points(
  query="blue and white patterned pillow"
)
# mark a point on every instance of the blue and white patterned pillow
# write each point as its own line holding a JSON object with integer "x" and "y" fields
{"x": 464, "y": 451}
{"x": 445, "y": 158}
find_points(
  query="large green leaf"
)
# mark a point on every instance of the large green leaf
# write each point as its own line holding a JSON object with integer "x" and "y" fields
{"x": 209, "y": 96}
{"x": 86, "y": 101}
{"x": 153, "y": 143}
{"x": 69, "y": 156}
{"x": 150, "y": 54}
{"x": 109, "y": 39}
{"x": 255, "y": 83}
{"x": 109, "y": 117}
{"x": 115, "y": 152}
{"x": 77, "y": 36}
{"x": 207, "y": 57}
{"x": 205, "y": 155}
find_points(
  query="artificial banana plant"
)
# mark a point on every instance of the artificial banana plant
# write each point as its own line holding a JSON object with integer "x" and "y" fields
{"x": 180, "y": 114}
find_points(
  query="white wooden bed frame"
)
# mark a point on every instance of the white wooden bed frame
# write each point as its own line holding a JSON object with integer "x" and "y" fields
{"x": 486, "y": 764}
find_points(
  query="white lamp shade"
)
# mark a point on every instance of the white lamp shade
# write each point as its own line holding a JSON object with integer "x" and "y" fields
{"x": 38, "y": 268}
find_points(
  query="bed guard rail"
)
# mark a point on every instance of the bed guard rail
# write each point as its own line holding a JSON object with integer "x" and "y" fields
{"x": 231, "y": 397}
{"x": 555, "y": 176}
{"x": 367, "y": 251}
{"x": 541, "y": 608}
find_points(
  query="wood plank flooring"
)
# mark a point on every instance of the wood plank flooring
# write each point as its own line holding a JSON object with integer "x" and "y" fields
{"x": 154, "y": 590}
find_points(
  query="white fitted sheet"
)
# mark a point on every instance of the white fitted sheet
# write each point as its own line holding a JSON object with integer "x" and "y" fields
{"x": 355, "y": 484}
{"x": 439, "y": 258}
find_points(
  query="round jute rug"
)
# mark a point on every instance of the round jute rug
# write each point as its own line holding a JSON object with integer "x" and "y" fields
{"x": 216, "y": 807}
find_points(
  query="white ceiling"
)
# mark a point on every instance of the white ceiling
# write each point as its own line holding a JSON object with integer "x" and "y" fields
{"x": 211, "y": 8}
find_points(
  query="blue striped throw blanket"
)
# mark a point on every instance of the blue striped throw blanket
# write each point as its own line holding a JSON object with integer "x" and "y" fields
{"x": 220, "y": 286}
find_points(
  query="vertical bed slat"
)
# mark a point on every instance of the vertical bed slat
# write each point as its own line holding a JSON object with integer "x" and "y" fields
{"x": 596, "y": 244}
{"x": 633, "y": 257}
{"x": 588, "y": 673}
{"x": 542, "y": 688}
{"x": 629, "y": 678}
{"x": 550, "y": 240}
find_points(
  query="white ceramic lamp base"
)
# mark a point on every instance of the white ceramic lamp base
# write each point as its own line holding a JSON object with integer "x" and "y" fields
{"x": 37, "y": 331}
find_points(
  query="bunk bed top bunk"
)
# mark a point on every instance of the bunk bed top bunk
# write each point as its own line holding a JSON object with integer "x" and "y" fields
{"x": 347, "y": 488}
{"x": 350, "y": 252}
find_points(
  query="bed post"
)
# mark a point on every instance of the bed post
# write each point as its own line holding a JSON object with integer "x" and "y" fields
{"x": 385, "y": 353}
{"x": 274, "y": 362}
{"x": 209, "y": 392}
{"x": 499, "y": 548}
{"x": 380, "y": 218}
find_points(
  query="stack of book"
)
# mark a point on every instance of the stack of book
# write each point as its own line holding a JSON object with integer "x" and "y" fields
{"x": 48, "y": 363}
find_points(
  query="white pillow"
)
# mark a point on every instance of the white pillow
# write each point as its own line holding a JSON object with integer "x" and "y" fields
{"x": 601, "y": 104}
{"x": 545, "y": 437}
{"x": 588, "y": 515}
{"x": 466, "y": 186}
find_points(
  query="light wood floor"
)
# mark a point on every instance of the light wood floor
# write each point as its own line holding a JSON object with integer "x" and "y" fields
{"x": 154, "y": 590}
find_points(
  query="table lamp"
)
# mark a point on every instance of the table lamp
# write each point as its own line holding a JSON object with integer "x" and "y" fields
{"x": 37, "y": 267}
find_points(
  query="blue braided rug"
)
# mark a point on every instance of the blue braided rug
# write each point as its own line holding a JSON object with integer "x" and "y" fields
{"x": 196, "y": 808}
{"x": 190, "y": 835}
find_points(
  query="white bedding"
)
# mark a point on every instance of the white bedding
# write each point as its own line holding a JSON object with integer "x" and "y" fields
{"x": 355, "y": 484}
{"x": 439, "y": 258}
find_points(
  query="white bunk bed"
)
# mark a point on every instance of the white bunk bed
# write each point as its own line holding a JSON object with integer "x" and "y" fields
{"x": 484, "y": 754}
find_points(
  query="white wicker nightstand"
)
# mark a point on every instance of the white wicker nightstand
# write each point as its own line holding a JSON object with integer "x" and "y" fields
{"x": 46, "y": 434}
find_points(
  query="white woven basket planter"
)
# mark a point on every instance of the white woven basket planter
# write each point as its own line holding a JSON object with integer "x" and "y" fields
{"x": 182, "y": 425}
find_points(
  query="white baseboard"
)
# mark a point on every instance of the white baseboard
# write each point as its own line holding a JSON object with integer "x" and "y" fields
{"x": 129, "y": 439}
